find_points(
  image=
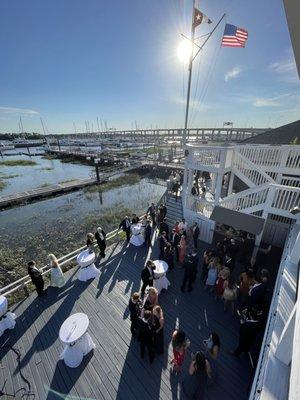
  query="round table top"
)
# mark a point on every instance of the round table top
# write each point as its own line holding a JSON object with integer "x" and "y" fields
{"x": 3, "y": 305}
{"x": 136, "y": 228}
{"x": 161, "y": 267}
{"x": 74, "y": 328}
{"x": 85, "y": 258}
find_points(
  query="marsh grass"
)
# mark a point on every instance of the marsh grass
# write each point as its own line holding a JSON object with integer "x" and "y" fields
{"x": 126, "y": 180}
{"x": 14, "y": 163}
{"x": 3, "y": 184}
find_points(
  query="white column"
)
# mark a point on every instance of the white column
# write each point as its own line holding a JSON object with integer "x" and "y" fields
{"x": 218, "y": 190}
{"x": 230, "y": 185}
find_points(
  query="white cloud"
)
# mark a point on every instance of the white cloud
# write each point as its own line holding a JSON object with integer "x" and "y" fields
{"x": 233, "y": 73}
{"x": 19, "y": 111}
{"x": 266, "y": 102}
{"x": 286, "y": 69}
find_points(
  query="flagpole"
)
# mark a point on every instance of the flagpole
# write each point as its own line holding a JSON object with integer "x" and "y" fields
{"x": 190, "y": 78}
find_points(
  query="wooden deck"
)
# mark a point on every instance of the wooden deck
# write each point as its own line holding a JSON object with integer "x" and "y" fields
{"x": 115, "y": 370}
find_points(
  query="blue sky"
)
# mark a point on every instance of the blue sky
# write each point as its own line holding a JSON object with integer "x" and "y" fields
{"x": 71, "y": 61}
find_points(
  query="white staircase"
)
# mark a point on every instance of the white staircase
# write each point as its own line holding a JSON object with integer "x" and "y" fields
{"x": 174, "y": 210}
{"x": 271, "y": 173}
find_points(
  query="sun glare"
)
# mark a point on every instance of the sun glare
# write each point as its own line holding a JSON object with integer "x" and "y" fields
{"x": 184, "y": 50}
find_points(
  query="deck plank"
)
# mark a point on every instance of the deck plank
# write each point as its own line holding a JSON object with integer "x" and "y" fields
{"x": 115, "y": 369}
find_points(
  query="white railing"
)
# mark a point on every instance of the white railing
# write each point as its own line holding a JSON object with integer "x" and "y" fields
{"x": 286, "y": 198}
{"x": 210, "y": 156}
{"x": 251, "y": 171}
{"x": 246, "y": 199}
{"x": 200, "y": 205}
{"x": 290, "y": 181}
{"x": 285, "y": 156}
{"x": 25, "y": 280}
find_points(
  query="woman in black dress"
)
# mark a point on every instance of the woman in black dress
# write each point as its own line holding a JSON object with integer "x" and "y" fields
{"x": 158, "y": 327}
{"x": 169, "y": 255}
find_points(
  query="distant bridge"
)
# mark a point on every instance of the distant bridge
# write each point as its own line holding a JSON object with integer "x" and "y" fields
{"x": 193, "y": 134}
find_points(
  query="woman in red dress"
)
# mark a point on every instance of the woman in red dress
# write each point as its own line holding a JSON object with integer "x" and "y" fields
{"x": 180, "y": 343}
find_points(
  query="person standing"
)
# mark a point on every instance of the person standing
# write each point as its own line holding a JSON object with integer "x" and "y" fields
{"x": 164, "y": 210}
{"x": 196, "y": 232}
{"x": 125, "y": 225}
{"x": 190, "y": 271}
{"x": 169, "y": 255}
{"x": 163, "y": 227}
{"x": 152, "y": 212}
{"x": 183, "y": 226}
{"x": 36, "y": 278}
{"x": 147, "y": 275}
{"x": 135, "y": 305}
{"x": 207, "y": 257}
{"x": 100, "y": 236}
{"x": 162, "y": 244}
{"x": 158, "y": 321}
{"x": 175, "y": 239}
{"x": 230, "y": 293}
{"x": 229, "y": 262}
{"x": 182, "y": 249}
{"x": 90, "y": 242}
{"x": 179, "y": 343}
{"x": 195, "y": 383}
{"x": 148, "y": 231}
{"x": 57, "y": 277}
{"x": 146, "y": 336}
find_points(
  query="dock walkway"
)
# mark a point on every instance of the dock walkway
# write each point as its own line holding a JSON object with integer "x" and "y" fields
{"x": 115, "y": 370}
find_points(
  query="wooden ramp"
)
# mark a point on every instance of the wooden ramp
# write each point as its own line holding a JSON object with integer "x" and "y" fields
{"x": 115, "y": 369}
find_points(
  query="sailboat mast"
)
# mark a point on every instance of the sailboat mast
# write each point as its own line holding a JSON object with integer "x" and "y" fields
{"x": 190, "y": 78}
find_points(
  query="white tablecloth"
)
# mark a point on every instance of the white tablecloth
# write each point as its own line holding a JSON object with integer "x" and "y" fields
{"x": 88, "y": 269}
{"x": 137, "y": 238}
{"x": 3, "y": 305}
{"x": 73, "y": 333}
{"x": 161, "y": 282}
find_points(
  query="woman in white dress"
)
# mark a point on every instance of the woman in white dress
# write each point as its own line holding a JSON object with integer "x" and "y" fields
{"x": 57, "y": 276}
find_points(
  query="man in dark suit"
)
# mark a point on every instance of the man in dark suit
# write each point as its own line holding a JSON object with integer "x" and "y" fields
{"x": 146, "y": 336}
{"x": 190, "y": 271}
{"x": 258, "y": 292}
{"x": 175, "y": 239}
{"x": 148, "y": 231}
{"x": 36, "y": 278}
{"x": 152, "y": 212}
{"x": 196, "y": 232}
{"x": 194, "y": 191}
{"x": 162, "y": 244}
{"x": 164, "y": 210}
{"x": 125, "y": 225}
{"x": 147, "y": 275}
{"x": 163, "y": 227}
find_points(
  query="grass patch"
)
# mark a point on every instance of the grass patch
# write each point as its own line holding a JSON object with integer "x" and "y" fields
{"x": 47, "y": 169}
{"x": 68, "y": 180}
{"x": 2, "y": 185}
{"x": 49, "y": 157}
{"x": 14, "y": 163}
{"x": 9, "y": 176}
{"x": 126, "y": 180}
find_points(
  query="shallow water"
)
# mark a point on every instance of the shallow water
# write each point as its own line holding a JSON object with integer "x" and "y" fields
{"x": 45, "y": 172}
{"x": 59, "y": 225}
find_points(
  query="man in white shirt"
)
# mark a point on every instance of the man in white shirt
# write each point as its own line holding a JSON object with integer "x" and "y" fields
{"x": 183, "y": 226}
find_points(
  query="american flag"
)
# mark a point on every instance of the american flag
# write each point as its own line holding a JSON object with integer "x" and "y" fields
{"x": 234, "y": 37}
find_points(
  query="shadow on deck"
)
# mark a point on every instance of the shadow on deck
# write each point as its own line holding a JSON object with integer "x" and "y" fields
{"x": 114, "y": 370}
